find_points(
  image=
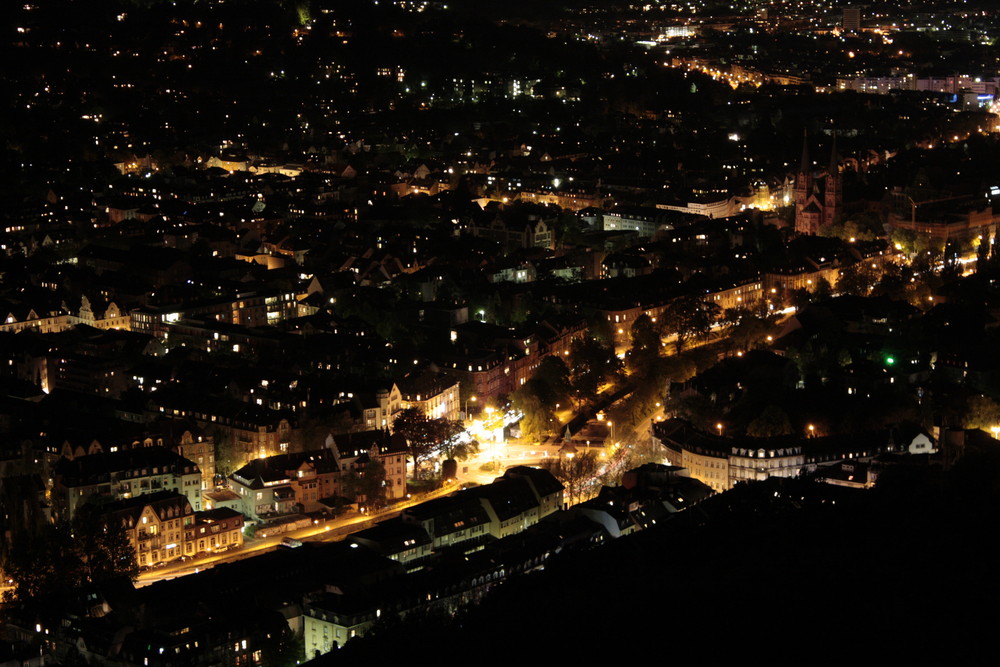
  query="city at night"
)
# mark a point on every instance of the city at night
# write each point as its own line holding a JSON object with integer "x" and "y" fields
{"x": 362, "y": 332}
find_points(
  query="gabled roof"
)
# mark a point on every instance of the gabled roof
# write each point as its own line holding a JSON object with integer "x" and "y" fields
{"x": 603, "y": 506}
{"x": 508, "y": 497}
{"x": 351, "y": 445}
{"x": 450, "y": 514}
{"x": 424, "y": 385}
{"x": 87, "y": 469}
{"x": 259, "y": 472}
{"x": 161, "y": 502}
{"x": 392, "y": 536}
{"x": 543, "y": 482}
{"x": 681, "y": 432}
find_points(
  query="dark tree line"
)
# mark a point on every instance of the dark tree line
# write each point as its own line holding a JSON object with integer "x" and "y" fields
{"x": 61, "y": 557}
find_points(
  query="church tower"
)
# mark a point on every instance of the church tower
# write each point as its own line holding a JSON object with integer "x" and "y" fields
{"x": 834, "y": 194}
{"x": 808, "y": 212}
{"x": 804, "y": 179}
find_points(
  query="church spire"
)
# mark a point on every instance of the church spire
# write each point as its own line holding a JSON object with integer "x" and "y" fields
{"x": 806, "y": 167}
{"x": 834, "y": 166}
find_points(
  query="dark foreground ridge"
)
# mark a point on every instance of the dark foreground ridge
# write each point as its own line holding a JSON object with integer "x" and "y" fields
{"x": 783, "y": 569}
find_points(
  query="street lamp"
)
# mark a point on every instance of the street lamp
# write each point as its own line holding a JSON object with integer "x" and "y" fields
{"x": 611, "y": 425}
{"x": 719, "y": 426}
{"x": 812, "y": 431}
{"x": 473, "y": 398}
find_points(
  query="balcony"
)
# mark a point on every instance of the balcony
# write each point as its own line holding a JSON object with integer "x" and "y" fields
{"x": 148, "y": 541}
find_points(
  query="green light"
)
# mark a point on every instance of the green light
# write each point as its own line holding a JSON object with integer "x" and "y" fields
{"x": 889, "y": 361}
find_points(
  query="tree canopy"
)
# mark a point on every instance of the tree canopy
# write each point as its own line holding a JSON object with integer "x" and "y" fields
{"x": 592, "y": 364}
{"x": 537, "y": 414}
{"x": 426, "y": 438}
{"x": 772, "y": 422}
{"x": 367, "y": 485}
{"x": 575, "y": 471}
{"x": 644, "y": 354}
{"x": 690, "y": 317}
{"x": 982, "y": 412}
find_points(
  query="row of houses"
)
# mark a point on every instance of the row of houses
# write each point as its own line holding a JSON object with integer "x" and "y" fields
{"x": 512, "y": 503}
{"x": 21, "y": 317}
{"x": 494, "y": 361}
{"x": 493, "y": 532}
{"x": 100, "y": 476}
{"x": 255, "y": 308}
{"x": 163, "y": 527}
{"x": 316, "y": 480}
{"x": 135, "y": 482}
{"x": 330, "y": 593}
{"x": 769, "y": 289}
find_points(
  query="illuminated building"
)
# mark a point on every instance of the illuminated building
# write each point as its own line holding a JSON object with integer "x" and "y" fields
{"x": 436, "y": 396}
{"x": 817, "y": 206}
{"x": 722, "y": 461}
{"x": 852, "y": 19}
{"x": 306, "y": 481}
{"x": 122, "y": 475}
{"x": 162, "y": 527}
